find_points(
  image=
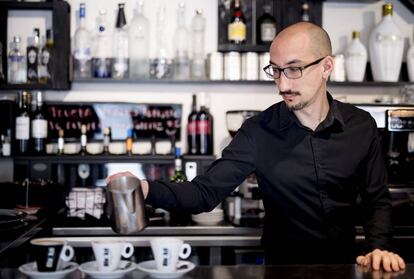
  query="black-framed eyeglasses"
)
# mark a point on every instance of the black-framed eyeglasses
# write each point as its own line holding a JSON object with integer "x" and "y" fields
{"x": 290, "y": 72}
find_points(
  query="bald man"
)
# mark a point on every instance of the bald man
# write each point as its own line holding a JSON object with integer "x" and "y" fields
{"x": 317, "y": 161}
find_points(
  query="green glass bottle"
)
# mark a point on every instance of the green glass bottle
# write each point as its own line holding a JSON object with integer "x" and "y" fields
{"x": 178, "y": 175}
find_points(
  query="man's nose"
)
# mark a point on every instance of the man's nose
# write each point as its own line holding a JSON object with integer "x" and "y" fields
{"x": 283, "y": 83}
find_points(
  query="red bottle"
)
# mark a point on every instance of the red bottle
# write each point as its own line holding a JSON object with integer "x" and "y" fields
{"x": 204, "y": 128}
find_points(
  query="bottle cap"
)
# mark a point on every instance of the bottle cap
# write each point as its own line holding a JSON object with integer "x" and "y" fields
{"x": 387, "y": 9}
{"x": 356, "y": 34}
{"x": 130, "y": 133}
{"x": 177, "y": 151}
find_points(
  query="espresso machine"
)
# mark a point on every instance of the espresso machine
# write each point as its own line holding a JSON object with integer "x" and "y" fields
{"x": 244, "y": 207}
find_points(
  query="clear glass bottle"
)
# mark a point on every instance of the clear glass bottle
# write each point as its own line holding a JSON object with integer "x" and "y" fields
{"x": 236, "y": 29}
{"x": 46, "y": 59}
{"x": 83, "y": 139}
{"x": 32, "y": 51}
{"x": 138, "y": 39}
{"x": 198, "y": 59}
{"x": 16, "y": 71}
{"x": 162, "y": 65}
{"x": 386, "y": 46}
{"x": 120, "y": 56}
{"x": 266, "y": 26}
{"x": 355, "y": 59}
{"x": 82, "y": 47}
{"x": 410, "y": 63}
{"x": 182, "y": 49}
{"x": 101, "y": 56}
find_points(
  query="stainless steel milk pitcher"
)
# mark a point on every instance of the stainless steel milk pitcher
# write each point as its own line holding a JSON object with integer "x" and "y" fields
{"x": 125, "y": 205}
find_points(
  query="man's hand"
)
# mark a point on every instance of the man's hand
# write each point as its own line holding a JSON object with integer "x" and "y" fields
{"x": 380, "y": 258}
{"x": 144, "y": 183}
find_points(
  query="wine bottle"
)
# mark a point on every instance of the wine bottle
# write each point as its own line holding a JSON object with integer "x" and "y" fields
{"x": 204, "y": 127}
{"x": 266, "y": 26}
{"x": 106, "y": 139}
{"x": 192, "y": 128}
{"x": 23, "y": 125}
{"x": 236, "y": 29}
{"x": 39, "y": 127}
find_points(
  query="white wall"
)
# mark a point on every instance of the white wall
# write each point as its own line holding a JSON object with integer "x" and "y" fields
{"x": 339, "y": 20}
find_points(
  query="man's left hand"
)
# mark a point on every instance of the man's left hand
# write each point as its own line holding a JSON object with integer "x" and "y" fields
{"x": 380, "y": 258}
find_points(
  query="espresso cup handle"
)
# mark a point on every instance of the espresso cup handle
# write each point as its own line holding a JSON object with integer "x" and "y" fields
{"x": 185, "y": 251}
{"x": 67, "y": 253}
{"x": 128, "y": 250}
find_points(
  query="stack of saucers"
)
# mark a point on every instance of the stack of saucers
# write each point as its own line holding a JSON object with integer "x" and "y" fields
{"x": 209, "y": 218}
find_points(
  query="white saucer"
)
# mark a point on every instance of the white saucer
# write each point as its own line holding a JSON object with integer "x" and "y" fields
{"x": 30, "y": 269}
{"x": 150, "y": 268}
{"x": 91, "y": 269}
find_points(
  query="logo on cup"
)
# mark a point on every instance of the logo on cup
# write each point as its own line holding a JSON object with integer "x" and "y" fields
{"x": 106, "y": 257}
{"x": 50, "y": 257}
{"x": 165, "y": 257}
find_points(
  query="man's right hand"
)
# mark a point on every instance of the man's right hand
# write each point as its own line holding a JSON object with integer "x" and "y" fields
{"x": 144, "y": 183}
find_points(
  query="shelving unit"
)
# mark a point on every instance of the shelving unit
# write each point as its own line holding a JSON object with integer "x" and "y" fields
{"x": 61, "y": 37}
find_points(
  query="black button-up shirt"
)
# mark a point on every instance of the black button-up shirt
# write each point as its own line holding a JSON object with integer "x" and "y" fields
{"x": 314, "y": 183}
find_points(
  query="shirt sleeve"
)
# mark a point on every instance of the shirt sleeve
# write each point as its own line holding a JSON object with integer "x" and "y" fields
{"x": 376, "y": 199}
{"x": 206, "y": 191}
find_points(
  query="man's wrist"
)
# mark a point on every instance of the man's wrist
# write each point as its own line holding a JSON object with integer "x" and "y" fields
{"x": 145, "y": 188}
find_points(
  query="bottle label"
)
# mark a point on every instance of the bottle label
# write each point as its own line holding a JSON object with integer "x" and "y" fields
{"x": 192, "y": 128}
{"x": 82, "y": 53}
{"x": 32, "y": 56}
{"x": 237, "y": 31}
{"x": 22, "y": 128}
{"x": 45, "y": 57}
{"x": 204, "y": 127}
{"x": 267, "y": 32}
{"x": 39, "y": 128}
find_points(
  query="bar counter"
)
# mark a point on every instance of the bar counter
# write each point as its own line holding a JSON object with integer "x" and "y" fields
{"x": 261, "y": 271}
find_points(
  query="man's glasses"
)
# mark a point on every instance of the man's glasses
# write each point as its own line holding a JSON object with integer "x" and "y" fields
{"x": 290, "y": 72}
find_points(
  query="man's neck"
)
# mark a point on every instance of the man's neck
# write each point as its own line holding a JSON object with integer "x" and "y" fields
{"x": 312, "y": 115}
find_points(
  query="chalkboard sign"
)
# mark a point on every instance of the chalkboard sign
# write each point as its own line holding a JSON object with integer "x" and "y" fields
{"x": 161, "y": 120}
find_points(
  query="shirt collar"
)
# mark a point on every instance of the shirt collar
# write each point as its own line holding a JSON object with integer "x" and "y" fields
{"x": 284, "y": 118}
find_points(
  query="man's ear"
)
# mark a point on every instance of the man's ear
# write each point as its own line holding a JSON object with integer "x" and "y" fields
{"x": 328, "y": 64}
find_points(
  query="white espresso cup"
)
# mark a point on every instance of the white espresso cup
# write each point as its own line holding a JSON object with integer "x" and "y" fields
{"x": 108, "y": 253}
{"x": 167, "y": 251}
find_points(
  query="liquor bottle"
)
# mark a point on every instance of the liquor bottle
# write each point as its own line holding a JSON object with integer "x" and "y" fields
{"x": 83, "y": 139}
{"x": 204, "y": 127}
{"x": 161, "y": 66}
{"x": 120, "y": 61}
{"x": 16, "y": 71}
{"x": 39, "y": 127}
{"x": 46, "y": 59}
{"x": 82, "y": 47}
{"x": 32, "y": 51}
{"x": 1, "y": 63}
{"x": 178, "y": 175}
{"x": 198, "y": 25}
{"x": 138, "y": 39}
{"x": 6, "y": 146}
{"x": 386, "y": 46}
{"x": 192, "y": 128}
{"x": 305, "y": 11}
{"x": 355, "y": 59}
{"x": 236, "y": 29}
{"x": 129, "y": 141}
{"x": 266, "y": 26}
{"x": 410, "y": 63}
{"x": 101, "y": 58}
{"x": 182, "y": 49}
{"x": 61, "y": 142}
{"x": 23, "y": 124}
{"x": 106, "y": 140}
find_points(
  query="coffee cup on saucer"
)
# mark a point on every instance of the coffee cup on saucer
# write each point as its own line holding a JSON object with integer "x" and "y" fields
{"x": 167, "y": 252}
{"x": 108, "y": 253}
{"x": 50, "y": 253}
